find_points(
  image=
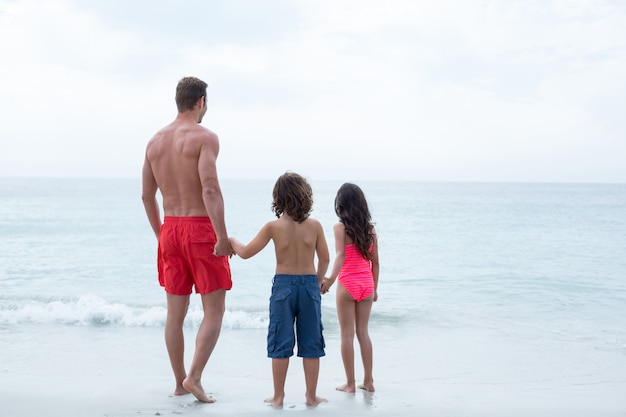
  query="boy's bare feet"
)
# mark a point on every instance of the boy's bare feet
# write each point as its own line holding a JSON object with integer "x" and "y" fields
{"x": 196, "y": 389}
{"x": 315, "y": 401}
{"x": 369, "y": 387}
{"x": 276, "y": 402}
{"x": 346, "y": 388}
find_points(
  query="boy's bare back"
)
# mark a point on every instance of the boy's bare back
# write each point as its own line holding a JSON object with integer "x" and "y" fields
{"x": 296, "y": 244}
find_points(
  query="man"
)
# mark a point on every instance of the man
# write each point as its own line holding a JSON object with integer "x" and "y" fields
{"x": 193, "y": 242}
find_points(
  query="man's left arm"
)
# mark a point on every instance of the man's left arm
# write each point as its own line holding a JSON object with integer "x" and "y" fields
{"x": 212, "y": 193}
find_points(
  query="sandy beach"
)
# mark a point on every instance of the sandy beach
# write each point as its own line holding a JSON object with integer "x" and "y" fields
{"x": 116, "y": 372}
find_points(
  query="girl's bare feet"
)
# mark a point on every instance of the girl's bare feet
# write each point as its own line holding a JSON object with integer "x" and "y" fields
{"x": 346, "y": 388}
{"x": 196, "y": 389}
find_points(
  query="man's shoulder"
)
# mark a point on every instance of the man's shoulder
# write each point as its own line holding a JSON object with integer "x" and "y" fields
{"x": 200, "y": 134}
{"x": 192, "y": 135}
{"x": 162, "y": 134}
{"x": 156, "y": 139}
{"x": 196, "y": 127}
{"x": 187, "y": 126}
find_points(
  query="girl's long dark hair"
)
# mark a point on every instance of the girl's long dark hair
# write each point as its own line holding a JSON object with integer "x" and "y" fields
{"x": 351, "y": 208}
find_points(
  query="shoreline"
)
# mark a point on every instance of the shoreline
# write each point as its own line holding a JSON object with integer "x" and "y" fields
{"x": 122, "y": 372}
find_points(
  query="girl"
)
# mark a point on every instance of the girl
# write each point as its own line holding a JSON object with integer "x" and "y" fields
{"x": 356, "y": 266}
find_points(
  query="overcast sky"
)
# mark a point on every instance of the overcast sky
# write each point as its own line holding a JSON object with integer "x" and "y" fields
{"x": 426, "y": 90}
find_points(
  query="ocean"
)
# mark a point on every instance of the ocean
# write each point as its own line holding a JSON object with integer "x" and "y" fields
{"x": 490, "y": 294}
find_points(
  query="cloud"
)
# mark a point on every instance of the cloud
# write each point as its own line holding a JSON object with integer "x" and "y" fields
{"x": 424, "y": 90}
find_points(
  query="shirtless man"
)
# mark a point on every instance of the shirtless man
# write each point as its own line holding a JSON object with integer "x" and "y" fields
{"x": 193, "y": 242}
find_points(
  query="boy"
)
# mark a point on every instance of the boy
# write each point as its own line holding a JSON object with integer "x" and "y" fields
{"x": 296, "y": 294}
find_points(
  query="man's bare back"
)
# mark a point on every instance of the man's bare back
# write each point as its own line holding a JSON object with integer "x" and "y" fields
{"x": 181, "y": 163}
{"x": 174, "y": 154}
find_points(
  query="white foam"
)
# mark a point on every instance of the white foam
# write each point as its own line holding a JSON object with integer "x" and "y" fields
{"x": 91, "y": 310}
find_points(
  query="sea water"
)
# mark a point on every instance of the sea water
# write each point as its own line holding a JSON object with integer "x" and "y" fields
{"x": 496, "y": 284}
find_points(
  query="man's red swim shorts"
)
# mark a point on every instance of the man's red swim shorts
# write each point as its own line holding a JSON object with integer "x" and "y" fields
{"x": 186, "y": 259}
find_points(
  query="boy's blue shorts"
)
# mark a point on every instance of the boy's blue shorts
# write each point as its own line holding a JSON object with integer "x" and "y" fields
{"x": 295, "y": 299}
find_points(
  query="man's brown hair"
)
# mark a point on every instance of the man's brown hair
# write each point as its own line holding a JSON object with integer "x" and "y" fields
{"x": 188, "y": 92}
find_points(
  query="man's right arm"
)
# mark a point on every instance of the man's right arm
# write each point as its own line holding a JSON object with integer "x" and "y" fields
{"x": 148, "y": 196}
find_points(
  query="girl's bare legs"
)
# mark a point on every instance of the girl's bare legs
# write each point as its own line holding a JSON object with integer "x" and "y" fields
{"x": 311, "y": 373}
{"x": 362, "y": 316}
{"x": 279, "y": 374}
{"x": 174, "y": 338}
{"x": 346, "y": 307}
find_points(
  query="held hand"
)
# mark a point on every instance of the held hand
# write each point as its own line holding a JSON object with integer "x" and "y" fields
{"x": 233, "y": 243}
{"x": 325, "y": 286}
{"x": 223, "y": 248}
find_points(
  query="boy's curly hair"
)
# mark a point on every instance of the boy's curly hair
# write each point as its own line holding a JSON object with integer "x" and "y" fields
{"x": 292, "y": 195}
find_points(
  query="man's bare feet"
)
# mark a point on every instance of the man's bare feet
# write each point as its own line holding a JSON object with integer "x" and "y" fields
{"x": 346, "y": 388}
{"x": 315, "y": 401}
{"x": 369, "y": 387}
{"x": 196, "y": 389}
{"x": 276, "y": 402}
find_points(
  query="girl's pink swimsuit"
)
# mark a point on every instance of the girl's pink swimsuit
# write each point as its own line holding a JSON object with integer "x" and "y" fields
{"x": 356, "y": 274}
